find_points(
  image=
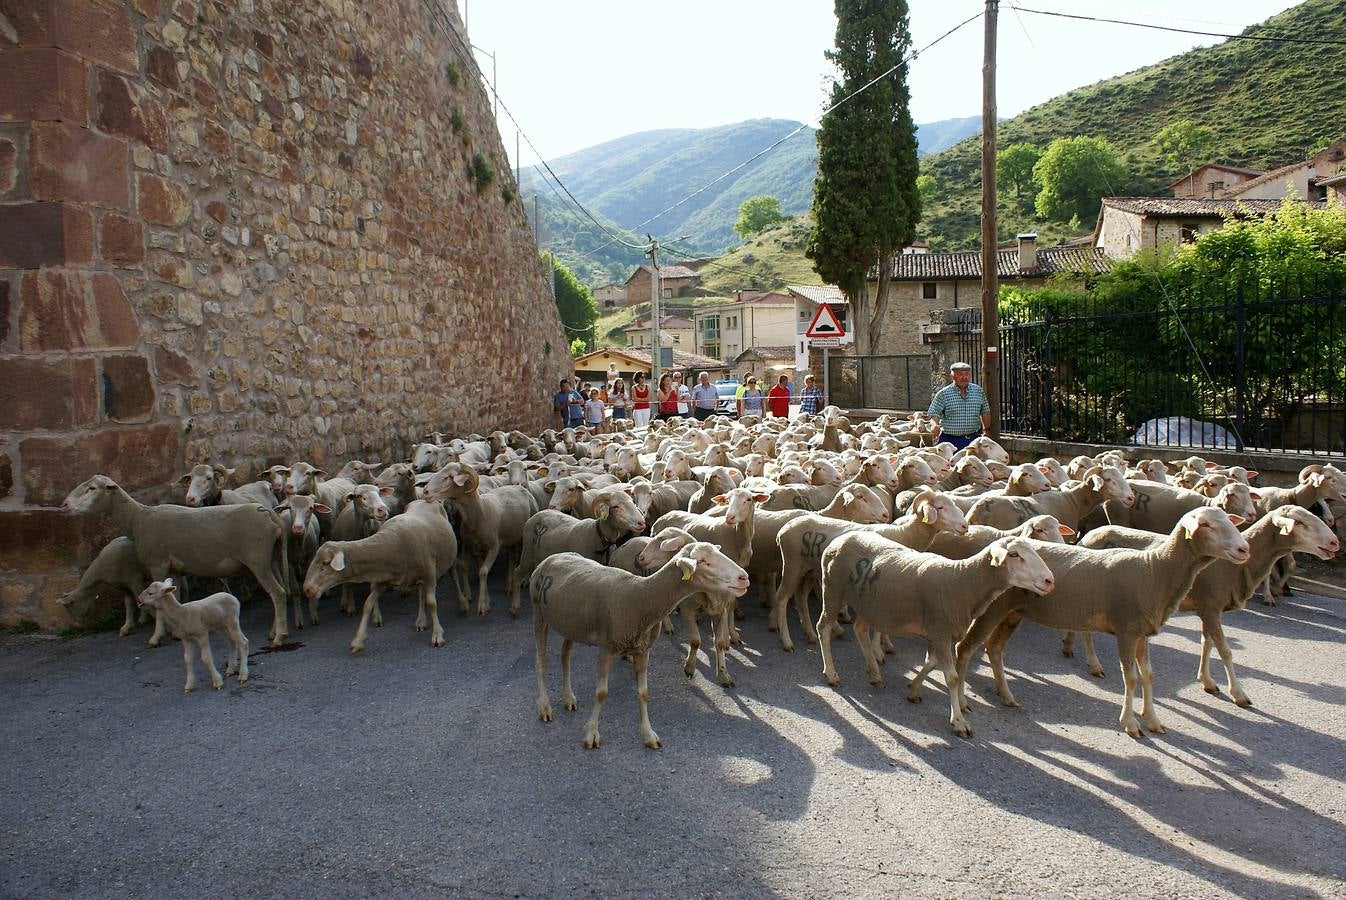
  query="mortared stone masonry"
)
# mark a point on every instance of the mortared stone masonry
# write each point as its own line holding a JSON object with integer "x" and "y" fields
{"x": 245, "y": 231}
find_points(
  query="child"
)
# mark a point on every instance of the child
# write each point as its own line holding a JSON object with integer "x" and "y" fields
{"x": 593, "y": 411}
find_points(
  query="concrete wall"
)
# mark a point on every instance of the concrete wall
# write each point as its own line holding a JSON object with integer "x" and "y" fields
{"x": 244, "y": 231}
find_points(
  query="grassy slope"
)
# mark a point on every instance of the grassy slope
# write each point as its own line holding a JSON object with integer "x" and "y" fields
{"x": 1265, "y": 102}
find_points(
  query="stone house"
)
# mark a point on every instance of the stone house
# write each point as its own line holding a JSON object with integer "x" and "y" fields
{"x": 610, "y": 295}
{"x": 767, "y": 363}
{"x": 1303, "y": 178}
{"x": 674, "y": 281}
{"x": 1128, "y": 225}
{"x": 679, "y": 331}
{"x": 751, "y": 319}
{"x": 1211, "y": 180}
{"x": 922, "y": 282}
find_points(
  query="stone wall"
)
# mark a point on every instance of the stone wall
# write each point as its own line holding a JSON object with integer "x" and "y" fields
{"x": 249, "y": 231}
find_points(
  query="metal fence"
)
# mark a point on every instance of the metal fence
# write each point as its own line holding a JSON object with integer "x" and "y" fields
{"x": 1252, "y": 366}
{"x": 900, "y": 381}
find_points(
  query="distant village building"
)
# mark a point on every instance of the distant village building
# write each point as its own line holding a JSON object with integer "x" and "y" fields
{"x": 1303, "y": 178}
{"x": 674, "y": 281}
{"x": 678, "y": 329}
{"x": 610, "y": 295}
{"x": 1128, "y": 225}
{"x": 808, "y": 297}
{"x": 752, "y": 319}
{"x": 593, "y": 367}
{"x": 1211, "y": 180}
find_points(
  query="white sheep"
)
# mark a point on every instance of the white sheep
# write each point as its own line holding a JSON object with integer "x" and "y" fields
{"x": 619, "y": 613}
{"x": 117, "y": 566}
{"x": 897, "y": 590}
{"x": 193, "y": 622}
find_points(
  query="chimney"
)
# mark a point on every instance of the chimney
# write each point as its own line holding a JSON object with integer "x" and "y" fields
{"x": 1028, "y": 251}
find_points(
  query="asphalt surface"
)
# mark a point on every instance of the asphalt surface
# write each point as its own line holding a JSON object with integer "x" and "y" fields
{"x": 414, "y": 771}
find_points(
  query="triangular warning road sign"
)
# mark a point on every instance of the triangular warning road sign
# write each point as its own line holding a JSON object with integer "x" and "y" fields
{"x": 825, "y": 324}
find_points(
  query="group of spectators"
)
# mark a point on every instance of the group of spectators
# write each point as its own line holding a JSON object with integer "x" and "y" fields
{"x": 672, "y": 397}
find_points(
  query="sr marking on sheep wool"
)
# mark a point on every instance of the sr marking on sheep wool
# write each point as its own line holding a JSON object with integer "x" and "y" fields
{"x": 543, "y": 583}
{"x": 811, "y": 544}
{"x": 864, "y": 576}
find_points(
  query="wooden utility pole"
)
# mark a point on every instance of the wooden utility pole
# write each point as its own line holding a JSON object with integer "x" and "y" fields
{"x": 656, "y": 291}
{"x": 990, "y": 275}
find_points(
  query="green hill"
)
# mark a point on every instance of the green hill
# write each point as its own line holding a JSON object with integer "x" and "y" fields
{"x": 1266, "y": 103}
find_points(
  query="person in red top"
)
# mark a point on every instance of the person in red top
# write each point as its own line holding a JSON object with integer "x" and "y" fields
{"x": 640, "y": 401}
{"x": 778, "y": 398}
{"x": 668, "y": 398}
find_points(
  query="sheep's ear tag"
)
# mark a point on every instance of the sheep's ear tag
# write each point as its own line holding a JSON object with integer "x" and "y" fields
{"x": 928, "y": 514}
{"x": 602, "y": 512}
{"x": 1286, "y": 524}
{"x": 339, "y": 561}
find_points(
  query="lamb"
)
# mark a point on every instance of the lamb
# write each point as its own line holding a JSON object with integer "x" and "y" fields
{"x": 1126, "y": 593}
{"x": 116, "y": 566}
{"x": 1069, "y": 505}
{"x": 216, "y": 541}
{"x": 900, "y": 591}
{"x": 489, "y": 523}
{"x": 193, "y": 622}
{"x": 1223, "y": 586}
{"x": 801, "y": 542}
{"x": 587, "y": 602}
{"x": 206, "y": 487}
{"x": 410, "y": 550}
{"x": 549, "y": 532}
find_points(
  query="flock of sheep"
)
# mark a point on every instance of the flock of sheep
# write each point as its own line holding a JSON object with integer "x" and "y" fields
{"x": 896, "y": 535}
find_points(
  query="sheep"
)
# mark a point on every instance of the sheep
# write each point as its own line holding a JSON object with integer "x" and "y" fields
{"x": 116, "y": 566}
{"x": 1127, "y": 593}
{"x": 1052, "y": 468}
{"x": 549, "y": 532}
{"x": 1223, "y": 586}
{"x": 801, "y": 542}
{"x": 206, "y": 487}
{"x": 489, "y": 523}
{"x": 410, "y": 550}
{"x": 642, "y": 555}
{"x": 400, "y": 478}
{"x": 955, "y": 545}
{"x": 897, "y": 590}
{"x": 619, "y": 613}
{"x": 359, "y": 472}
{"x": 216, "y": 541}
{"x": 1158, "y": 507}
{"x": 733, "y": 534}
{"x": 719, "y": 480}
{"x": 1149, "y": 470}
{"x": 967, "y": 470}
{"x": 666, "y": 496}
{"x": 193, "y": 622}
{"x": 299, "y": 518}
{"x": 308, "y": 479}
{"x": 987, "y": 450}
{"x": 1069, "y": 505}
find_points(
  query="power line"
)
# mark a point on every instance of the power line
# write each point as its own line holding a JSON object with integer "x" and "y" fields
{"x": 765, "y": 150}
{"x": 1238, "y": 37}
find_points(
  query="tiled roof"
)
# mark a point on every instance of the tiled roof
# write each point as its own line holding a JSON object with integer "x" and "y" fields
{"x": 817, "y": 293}
{"x": 1189, "y": 207}
{"x": 1238, "y": 170}
{"x": 784, "y": 352}
{"x": 1334, "y": 179}
{"x": 667, "y": 273}
{"x": 665, "y": 322}
{"x": 681, "y": 359}
{"x": 1265, "y": 177}
{"x": 963, "y": 266}
{"x": 763, "y": 297}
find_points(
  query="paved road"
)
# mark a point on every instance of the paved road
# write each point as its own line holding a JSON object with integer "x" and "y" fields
{"x": 412, "y": 771}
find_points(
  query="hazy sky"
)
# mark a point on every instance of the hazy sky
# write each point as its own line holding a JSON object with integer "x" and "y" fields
{"x": 580, "y": 72}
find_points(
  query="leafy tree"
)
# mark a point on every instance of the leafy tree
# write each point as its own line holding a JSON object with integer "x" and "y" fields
{"x": 1014, "y": 165}
{"x": 757, "y": 214}
{"x": 865, "y": 201}
{"x": 926, "y": 186}
{"x": 574, "y": 302}
{"x": 1074, "y": 175}
{"x": 579, "y": 347}
{"x": 1184, "y": 145}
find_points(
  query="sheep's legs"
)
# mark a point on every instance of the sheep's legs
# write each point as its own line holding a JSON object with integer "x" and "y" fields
{"x": 130, "y": 624}
{"x": 914, "y": 686}
{"x": 721, "y": 628}
{"x": 943, "y": 652}
{"x": 240, "y": 642}
{"x": 641, "y": 664}
{"x": 461, "y": 584}
{"x": 160, "y": 629}
{"x": 362, "y": 632}
{"x": 995, "y": 652}
{"x": 825, "y": 622}
{"x": 864, "y": 641}
{"x": 1212, "y": 634}
{"x": 276, "y": 591}
{"x": 203, "y": 642}
{"x": 540, "y": 660}
{"x": 802, "y": 610}
{"x": 592, "y": 739}
{"x": 187, "y": 660}
{"x": 431, "y": 607}
{"x": 1126, "y": 655}
{"x": 1147, "y": 687}
{"x": 483, "y": 596}
{"x": 515, "y": 598}
{"x": 1091, "y": 656}
{"x": 687, "y": 609}
{"x": 568, "y": 700}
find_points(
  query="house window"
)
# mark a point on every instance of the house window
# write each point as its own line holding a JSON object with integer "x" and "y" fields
{"x": 929, "y": 291}
{"x": 1215, "y": 187}
{"x": 677, "y": 338}
{"x": 731, "y": 322}
{"x": 1187, "y": 233}
{"x": 804, "y": 315}
{"x": 668, "y": 293}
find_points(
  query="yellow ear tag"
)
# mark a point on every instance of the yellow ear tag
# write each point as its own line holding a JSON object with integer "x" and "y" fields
{"x": 602, "y": 514}
{"x": 686, "y": 574}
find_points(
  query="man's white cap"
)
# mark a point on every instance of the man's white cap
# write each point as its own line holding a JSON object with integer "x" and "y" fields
{"x": 959, "y": 365}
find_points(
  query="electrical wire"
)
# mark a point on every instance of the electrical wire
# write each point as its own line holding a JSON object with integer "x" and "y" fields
{"x": 1151, "y": 25}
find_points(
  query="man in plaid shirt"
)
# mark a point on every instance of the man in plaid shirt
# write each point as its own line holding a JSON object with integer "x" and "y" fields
{"x": 961, "y": 407}
{"x": 810, "y": 397}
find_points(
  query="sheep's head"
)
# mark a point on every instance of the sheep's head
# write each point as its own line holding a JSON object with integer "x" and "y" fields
{"x": 861, "y": 503}
{"x": 934, "y": 508}
{"x": 303, "y": 478}
{"x": 328, "y": 569}
{"x": 663, "y": 547}
{"x": 156, "y": 594}
{"x": 92, "y": 495}
{"x": 1214, "y": 533}
{"x": 706, "y": 567}
{"x": 302, "y": 508}
{"x": 1110, "y": 483}
{"x": 1030, "y": 479}
{"x": 1311, "y": 534}
{"x": 1023, "y": 566}
{"x": 1047, "y": 529}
